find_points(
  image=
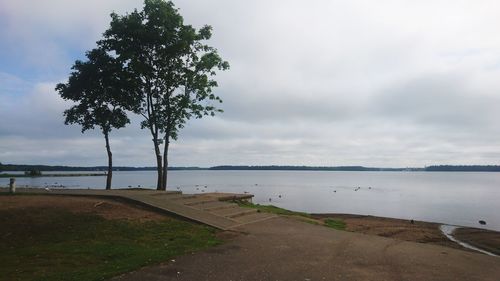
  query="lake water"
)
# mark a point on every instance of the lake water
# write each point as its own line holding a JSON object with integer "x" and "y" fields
{"x": 451, "y": 198}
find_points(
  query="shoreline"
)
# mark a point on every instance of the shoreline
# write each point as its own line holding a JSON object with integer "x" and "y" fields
{"x": 52, "y": 175}
{"x": 400, "y": 229}
{"x": 485, "y": 240}
{"x": 418, "y": 231}
{"x": 282, "y": 248}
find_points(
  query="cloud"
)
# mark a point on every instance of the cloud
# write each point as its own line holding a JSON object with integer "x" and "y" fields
{"x": 36, "y": 113}
{"x": 377, "y": 83}
{"x": 442, "y": 101}
{"x": 43, "y": 37}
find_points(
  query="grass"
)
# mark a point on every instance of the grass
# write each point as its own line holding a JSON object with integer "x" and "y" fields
{"x": 54, "y": 244}
{"x": 336, "y": 224}
{"x": 272, "y": 209}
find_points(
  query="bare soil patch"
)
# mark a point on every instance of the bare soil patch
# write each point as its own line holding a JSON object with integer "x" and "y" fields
{"x": 109, "y": 209}
{"x": 283, "y": 248}
{"x": 418, "y": 231}
{"x": 480, "y": 238}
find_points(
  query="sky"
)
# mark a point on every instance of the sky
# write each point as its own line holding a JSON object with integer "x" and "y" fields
{"x": 323, "y": 83}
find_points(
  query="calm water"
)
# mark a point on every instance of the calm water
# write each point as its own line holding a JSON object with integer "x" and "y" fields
{"x": 451, "y": 198}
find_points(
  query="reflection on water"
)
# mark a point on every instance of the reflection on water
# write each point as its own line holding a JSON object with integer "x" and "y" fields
{"x": 451, "y": 198}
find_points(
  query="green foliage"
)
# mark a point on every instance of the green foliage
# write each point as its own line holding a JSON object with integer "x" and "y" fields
{"x": 54, "y": 244}
{"x": 171, "y": 71}
{"x": 171, "y": 65}
{"x": 305, "y": 217}
{"x": 33, "y": 173}
{"x": 336, "y": 224}
{"x": 97, "y": 87}
{"x": 273, "y": 209}
{"x": 463, "y": 168}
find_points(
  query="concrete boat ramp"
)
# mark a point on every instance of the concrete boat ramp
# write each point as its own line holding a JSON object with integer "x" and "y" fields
{"x": 214, "y": 209}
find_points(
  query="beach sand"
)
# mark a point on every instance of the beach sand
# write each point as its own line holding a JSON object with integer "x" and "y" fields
{"x": 481, "y": 238}
{"x": 418, "y": 231}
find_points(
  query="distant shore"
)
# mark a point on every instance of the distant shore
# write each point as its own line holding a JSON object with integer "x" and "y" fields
{"x": 433, "y": 168}
{"x": 52, "y": 175}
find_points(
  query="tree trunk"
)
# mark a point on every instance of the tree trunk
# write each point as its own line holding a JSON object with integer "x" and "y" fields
{"x": 165, "y": 164}
{"x": 159, "y": 184}
{"x": 110, "y": 162}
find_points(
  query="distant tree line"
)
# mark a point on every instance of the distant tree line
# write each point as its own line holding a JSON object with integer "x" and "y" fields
{"x": 33, "y": 173}
{"x": 47, "y": 168}
{"x": 307, "y": 168}
{"x": 463, "y": 168}
{"x": 290, "y": 168}
{"x": 437, "y": 168}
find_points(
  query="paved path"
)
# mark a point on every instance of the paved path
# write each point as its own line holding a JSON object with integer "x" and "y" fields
{"x": 212, "y": 209}
{"x": 286, "y": 249}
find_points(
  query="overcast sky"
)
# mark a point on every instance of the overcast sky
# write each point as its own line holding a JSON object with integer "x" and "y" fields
{"x": 373, "y": 83}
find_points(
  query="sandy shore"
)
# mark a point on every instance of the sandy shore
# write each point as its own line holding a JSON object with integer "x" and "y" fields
{"x": 481, "y": 238}
{"x": 418, "y": 231}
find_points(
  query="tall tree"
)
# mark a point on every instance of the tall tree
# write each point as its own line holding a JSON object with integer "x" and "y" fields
{"x": 96, "y": 86}
{"x": 174, "y": 71}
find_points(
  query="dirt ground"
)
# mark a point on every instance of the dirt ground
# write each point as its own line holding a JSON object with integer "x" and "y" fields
{"x": 481, "y": 238}
{"x": 283, "y": 248}
{"x": 421, "y": 232}
{"x": 287, "y": 249}
{"x": 109, "y": 209}
{"x": 418, "y": 231}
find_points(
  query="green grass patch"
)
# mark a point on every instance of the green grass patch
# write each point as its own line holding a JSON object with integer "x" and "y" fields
{"x": 305, "y": 217}
{"x": 54, "y": 244}
{"x": 336, "y": 224}
{"x": 272, "y": 209}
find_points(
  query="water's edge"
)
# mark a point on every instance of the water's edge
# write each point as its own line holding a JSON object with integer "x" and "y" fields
{"x": 448, "y": 232}
{"x": 450, "y": 198}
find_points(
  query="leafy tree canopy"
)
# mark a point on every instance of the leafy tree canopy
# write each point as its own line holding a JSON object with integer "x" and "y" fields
{"x": 96, "y": 86}
{"x": 172, "y": 70}
{"x": 172, "y": 65}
